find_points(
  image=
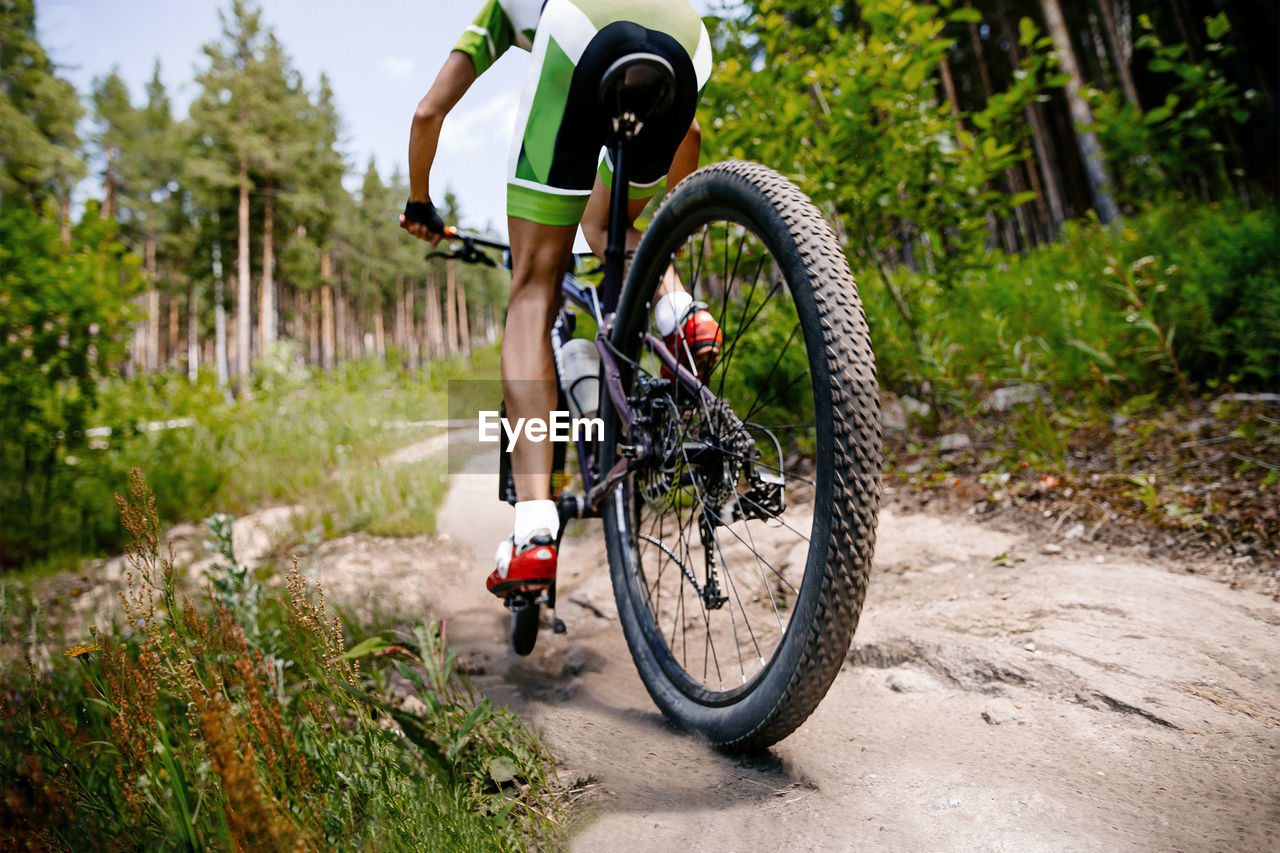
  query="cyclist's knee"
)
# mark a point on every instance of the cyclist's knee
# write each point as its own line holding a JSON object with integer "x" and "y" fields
{"x": 539, "y": 256}
{"x": 596, "y": 234}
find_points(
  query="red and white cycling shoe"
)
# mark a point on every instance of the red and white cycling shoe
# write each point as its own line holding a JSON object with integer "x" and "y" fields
{"x": 697, "y": 336}
{"x": 529, "y": 567}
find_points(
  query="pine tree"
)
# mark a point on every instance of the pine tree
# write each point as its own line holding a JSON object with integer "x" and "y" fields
{"x": 232, "y": 112}
{"x": 1095, "y": 160}
{"x": 140, "y": 173}
{"x": 39, "y": 147}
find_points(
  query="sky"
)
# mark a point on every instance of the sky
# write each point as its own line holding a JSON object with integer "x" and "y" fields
{"x": 380, "y": 55}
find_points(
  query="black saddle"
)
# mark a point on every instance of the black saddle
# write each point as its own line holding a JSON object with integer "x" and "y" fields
{"x": 638, "y": 85}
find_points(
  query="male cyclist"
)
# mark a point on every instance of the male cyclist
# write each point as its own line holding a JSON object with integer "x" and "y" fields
{"x": 553, "y": 185}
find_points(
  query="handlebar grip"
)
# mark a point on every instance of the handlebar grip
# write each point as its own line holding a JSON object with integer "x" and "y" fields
{"x": 423, "y": 213}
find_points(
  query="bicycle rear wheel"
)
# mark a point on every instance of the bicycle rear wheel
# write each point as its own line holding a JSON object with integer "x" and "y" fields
{"x": 739, "y": 551}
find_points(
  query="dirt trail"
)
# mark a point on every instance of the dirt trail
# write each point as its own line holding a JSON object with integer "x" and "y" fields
{"x": 1059, "y": 697}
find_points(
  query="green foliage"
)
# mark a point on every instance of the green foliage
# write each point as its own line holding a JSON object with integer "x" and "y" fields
{"x": 64, "y": 313}
{"x": 241, "y": 720}
{"x": 908, "y": 184}
{"x": 1177, "y": 145}
{"x": 768, "y": 360}
{"x": 300, "y": 439}
{"x": 38, "y": 115}
{"x": 1183, "y": 293}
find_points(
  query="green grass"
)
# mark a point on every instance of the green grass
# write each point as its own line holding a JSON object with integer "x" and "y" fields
{"x": 245, "y": 720}
{"x": 1179, "y": 299}
{"x": 299, "y": 438}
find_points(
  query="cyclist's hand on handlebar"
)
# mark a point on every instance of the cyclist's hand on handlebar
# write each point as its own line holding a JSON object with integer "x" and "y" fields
{"x": 422, "y": 221}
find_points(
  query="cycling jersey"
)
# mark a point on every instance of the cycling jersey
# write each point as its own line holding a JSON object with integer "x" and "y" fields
{"x": 550, "y": 172}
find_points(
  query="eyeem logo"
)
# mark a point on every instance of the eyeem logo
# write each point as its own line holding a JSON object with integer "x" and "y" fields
{"x": 561, "y": 427}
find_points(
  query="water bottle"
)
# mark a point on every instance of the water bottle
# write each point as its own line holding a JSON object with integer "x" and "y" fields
{"x": 580, "y": 377}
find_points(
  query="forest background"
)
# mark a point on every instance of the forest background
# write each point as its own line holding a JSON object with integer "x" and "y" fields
{"x": 1062, "y": 218}
{"x": 1074, "y": 198}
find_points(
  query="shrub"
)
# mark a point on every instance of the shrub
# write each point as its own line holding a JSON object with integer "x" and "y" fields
{"x": 238, "y": 721}
{"x": 284, "y": 444}
{"x": 64, "y": 313}
{"x": 1183, "y": 293}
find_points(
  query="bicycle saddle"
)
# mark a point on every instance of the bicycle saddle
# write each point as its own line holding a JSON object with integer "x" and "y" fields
{"x": 642, "y": 84}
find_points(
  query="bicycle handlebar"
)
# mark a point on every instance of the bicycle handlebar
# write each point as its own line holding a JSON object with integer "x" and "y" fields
{"x": 469, "y": 250}
{"x": 474, "y": 239}
{"x": 471, "y": 243}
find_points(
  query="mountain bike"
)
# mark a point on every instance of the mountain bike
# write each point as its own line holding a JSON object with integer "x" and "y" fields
{"x": 739, "y": 508}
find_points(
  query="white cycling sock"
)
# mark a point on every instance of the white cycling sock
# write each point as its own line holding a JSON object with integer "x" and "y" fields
{"x": 670, "y": 310}
{"x": 532, "y": 516}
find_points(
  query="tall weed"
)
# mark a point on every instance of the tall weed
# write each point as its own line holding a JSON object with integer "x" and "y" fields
{"x": 237, "y": 720}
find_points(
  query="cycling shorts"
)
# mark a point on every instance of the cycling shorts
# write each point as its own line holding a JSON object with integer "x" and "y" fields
{"x": 560, "y": 126}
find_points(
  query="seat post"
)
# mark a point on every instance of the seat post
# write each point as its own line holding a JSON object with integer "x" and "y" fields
{"x": 615, "y": 255}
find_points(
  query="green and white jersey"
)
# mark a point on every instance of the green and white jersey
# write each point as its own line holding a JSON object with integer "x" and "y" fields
{"x": 502, "y": 24}
{"x": 557, "y": 140}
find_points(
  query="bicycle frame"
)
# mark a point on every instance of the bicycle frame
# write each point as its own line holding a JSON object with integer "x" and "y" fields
{"x": 602, "y": 303}
{"x": 603, "y": 306}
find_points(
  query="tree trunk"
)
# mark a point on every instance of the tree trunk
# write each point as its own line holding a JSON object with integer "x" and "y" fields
{"x": 134, "y": 365}
{"x": 400, "y": 330}
{"x": 975, "y": 38}
{"x": 1188, "y": 31}
{"x": 328, "y": 339}
{"x": 1100, "y": 52}
{"x": 175, "y": 330}
{"x": 410, "y": 324}
{"x": 219, "y": 319}
{"x": 1123, "y": 50}
{"x": 1040, "y": 139}
{"x": 267, "y": 315}
{"x": 1003, "y": 227}
{"x": 1095, "y": 162}
{"x": 451, "y": 307}
{"x": 379, "y": 334}
{"x": 193, "y": 333}
{"x": 313, "y": 326}
{"x": 109, "y": 185}
{"x": 342, "y": 349}
{"x": 949, "y": 87}
{"x": 464, "y": 325}
{"x": 244, "y": 288}
{"x": 435, "y": 334}
{"x": 151, "y": 346}
{"x": 65, "y": 217}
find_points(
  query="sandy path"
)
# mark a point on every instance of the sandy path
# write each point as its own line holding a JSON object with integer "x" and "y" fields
{"x": 1080, "y": 699}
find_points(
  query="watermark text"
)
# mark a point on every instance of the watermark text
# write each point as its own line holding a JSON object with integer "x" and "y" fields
{"x": 561, "y": 426}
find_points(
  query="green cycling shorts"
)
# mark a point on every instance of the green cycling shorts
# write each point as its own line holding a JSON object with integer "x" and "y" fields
{"x": 560, "y": 130}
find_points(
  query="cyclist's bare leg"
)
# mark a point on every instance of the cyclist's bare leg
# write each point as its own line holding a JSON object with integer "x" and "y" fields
{"x": 595, "y": 220}
{"x": 539, "y": 257}
{"x": 597, "y": 235}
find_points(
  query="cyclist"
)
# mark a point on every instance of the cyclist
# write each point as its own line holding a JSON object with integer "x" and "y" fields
{"x": 553, "y": 185}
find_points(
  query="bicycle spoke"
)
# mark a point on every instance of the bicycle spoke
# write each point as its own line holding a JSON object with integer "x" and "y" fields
{"x": 764, "y": 581}
{"x": 725, "y": 571}
{"x": 771, "y": 468}
{"x": 775, "y": 518}
{"x": 772, "y": 370}
{"x": 780, "y": 575}
{"x": 727, "y": 359}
